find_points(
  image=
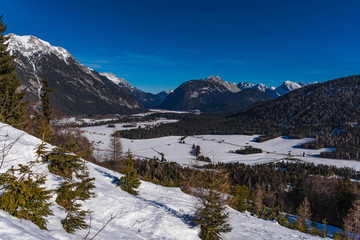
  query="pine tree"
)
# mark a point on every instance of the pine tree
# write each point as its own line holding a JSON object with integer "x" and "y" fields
{"x": 324, "y": 232}
{"x": 210, "y": 213}
{"x": 69, "y": 193}
{"x": 63, "y": 163}
{"x": 45, "y": 100}
{"x": 352, "y": 220}
{"x": 242, "y": 194}
{"x": 12, "y": 108}
{"x": 130, "y": 182}
{"x": 77, "y": 186}
{"x": 282, "y": 219}
{"x": 25, "y": 198}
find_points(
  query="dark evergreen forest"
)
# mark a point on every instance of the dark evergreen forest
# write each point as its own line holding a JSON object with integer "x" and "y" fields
{"x": 329, "y": 112}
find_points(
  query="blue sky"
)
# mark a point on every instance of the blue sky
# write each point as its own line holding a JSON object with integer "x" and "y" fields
{"x": 156, "y": 45}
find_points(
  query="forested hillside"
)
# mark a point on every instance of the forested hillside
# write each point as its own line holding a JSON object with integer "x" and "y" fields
{"x": 328, "y": 111}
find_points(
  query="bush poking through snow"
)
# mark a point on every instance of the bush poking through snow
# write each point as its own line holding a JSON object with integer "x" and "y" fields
{"x": 63, "y": 163}
{"x": 76, "y": 187}
{"x": 24, "y": 198}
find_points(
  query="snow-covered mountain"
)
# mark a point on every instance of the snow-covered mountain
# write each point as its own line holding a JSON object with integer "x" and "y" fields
{"x": 274, "y": 92}
{"x": 146, "y": 99}
{"x": 77, "y": 88}
{"x": 287, "y": 87}
{"x": 212, "y": 95}
{"x": 216, "y": 95}
{"x": 232, "y": 87}
{"x": 156, "y": 213}
{"x": 244, "y": 85}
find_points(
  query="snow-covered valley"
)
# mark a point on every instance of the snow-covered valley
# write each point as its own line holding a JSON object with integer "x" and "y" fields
{"x": 156, "y": 213}
{"x": 216, "y": 147}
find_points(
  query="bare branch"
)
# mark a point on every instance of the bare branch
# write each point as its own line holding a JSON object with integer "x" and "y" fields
{"x": 7, "y": 147}
{"x": 88, "y": 233}
{"x": 104, "y": 225}
{"x": 38, "y": 154}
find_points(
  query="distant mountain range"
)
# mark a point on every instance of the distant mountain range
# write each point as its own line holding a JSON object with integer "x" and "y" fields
{"x": 81, "y": 90}
{"x": 216, "y": 95}
{"x": 329, "y": 112}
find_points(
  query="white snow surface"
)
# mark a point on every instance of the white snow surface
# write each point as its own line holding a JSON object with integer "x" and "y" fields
{"x": 216, "y": 147}
{"x": 287, "y": 86}
{"x": 29, "y": 45}
{"x": 115, "y": 79}
{"x": 156, "y": 213}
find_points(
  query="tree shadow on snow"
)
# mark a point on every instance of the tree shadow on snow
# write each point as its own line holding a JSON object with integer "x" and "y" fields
{"x": 185, "y": 218}
{"x": 114, "y": 180}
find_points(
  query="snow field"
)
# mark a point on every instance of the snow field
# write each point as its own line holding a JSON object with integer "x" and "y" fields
{"x": 156, "y": 213}
{"x": 216, "y": 147}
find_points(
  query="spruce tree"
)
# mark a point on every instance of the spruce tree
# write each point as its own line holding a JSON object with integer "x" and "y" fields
{"x": 12, "y": 108}
{"x": 45, "y": 100}
{"x": 242, "y": 194}
{"x": 77, "y": 186}
{"x": 130, "y": 182}
{"x": 210, "y": 213}
{"x": 25, "y": 198}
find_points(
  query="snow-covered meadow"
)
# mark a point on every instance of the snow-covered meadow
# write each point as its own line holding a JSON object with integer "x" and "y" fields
{"x": 156, "y": 213}
{"x": 216, "y": 147}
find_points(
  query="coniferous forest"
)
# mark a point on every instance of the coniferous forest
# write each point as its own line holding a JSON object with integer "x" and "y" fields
{"x": 328, "y": 112}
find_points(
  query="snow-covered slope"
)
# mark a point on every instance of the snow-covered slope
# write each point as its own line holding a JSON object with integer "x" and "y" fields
{"x": 116, "y": 80}
{"x": 156, "y": 213}
{"x": 30, "y": 45}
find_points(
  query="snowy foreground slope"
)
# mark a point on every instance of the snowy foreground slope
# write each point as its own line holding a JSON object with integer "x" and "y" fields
{"x": 156, "y": 213}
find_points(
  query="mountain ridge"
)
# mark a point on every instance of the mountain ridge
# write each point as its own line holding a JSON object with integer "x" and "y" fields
{"x": 216, "y": 95}
{"x": 77, "y": 89}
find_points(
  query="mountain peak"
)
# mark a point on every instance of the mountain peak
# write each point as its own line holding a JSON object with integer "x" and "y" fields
{"x": 232, "y": 87}
{"x": 243, "y": 85}
{"x": 214, "y": 79}
{"x": 292, "y": 85}
{"x": 28, "y": 45}
{"x": 286, "y": 87}
{"x": 261, "y": 87}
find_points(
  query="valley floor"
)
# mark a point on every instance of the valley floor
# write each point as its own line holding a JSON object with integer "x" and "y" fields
{"x": 156, "y": 213}
{"x": 216, "y": 147}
